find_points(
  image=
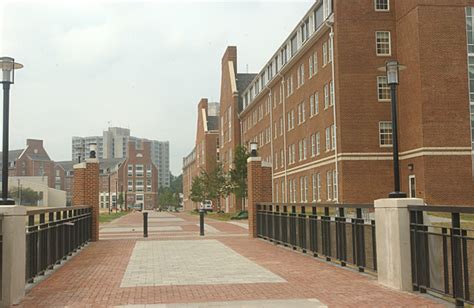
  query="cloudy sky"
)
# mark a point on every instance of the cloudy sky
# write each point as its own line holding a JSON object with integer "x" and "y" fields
{"x": 137, "y": 64}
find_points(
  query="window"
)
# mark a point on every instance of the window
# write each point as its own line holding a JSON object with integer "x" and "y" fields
{"x": 130, "y": 185}
{"x": 310, "y": 66}
{"x": 311, "y": 105}
{"x": 304, "y": 148}
{"x": 139, "y": 185}
{"x": 301, "y": 113}
{"x": 325, "y": 54}
{"x": 411, "y": 186}
{"x": 282, "y": 159}
{"x": 305, "y": 30}
{"x": 301, "y": 75}
{"x": 294, "y": 45}
{"x": 385, "y": 133}
{"x": 316, "y": 103}
{"x": 334, "y": 182}
{"x": 382, "y": 5}
{"x": 313, "y": 145}
{"x": 315, "y": 63}
{"x": 283, "y": 191}
{"x": 281, "y": 126}
{"x": 333, "y": 139}
{"x": 300, "y": 150}
{"x": 304, "y": 189}
{"x": 283, "y": 56}
{"x": 329, "y": 185}
{"x": 130, "y": 170}
{"x": 383, "y": 89}
{"x": 328, "y": 138}
{"x": 383, "y": 43}
{"x": 318, "y": 144}
{"x": 294, "y": 190}
{"x": 315, "y": 187}
{"x": 318, "y": 178}
{"x": 318, "y": 17}
{"x": 331, "y": 91}
{"x": 326, "y": 96}
{"x": 290, "y": 188}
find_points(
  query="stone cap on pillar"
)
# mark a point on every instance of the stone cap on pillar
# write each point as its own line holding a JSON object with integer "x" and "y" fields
{"x": 251, "y": 159}
{"x": 397, "y": 202}
{"x": 12, "y": 210}
{"x": 82, "y": 165}
{"x": 92, "y": 160}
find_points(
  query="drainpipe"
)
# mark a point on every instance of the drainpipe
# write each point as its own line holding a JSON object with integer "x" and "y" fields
{"x": 334, "y": 113}
{"x": 271, "y": 136}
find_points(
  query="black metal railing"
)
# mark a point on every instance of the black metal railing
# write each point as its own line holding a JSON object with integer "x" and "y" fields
{"x": 334, "y": 231}
{"x": 53, "y": 234}
{"x": 442, "y": 251}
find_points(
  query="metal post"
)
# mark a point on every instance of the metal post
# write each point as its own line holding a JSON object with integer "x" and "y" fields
{"x": 6, "y": 113}
{"x": 145, "y": 224}
{"x": 201, "y": 222}
{"x": 396, "y": 168}
{"x": 110, "y": 199}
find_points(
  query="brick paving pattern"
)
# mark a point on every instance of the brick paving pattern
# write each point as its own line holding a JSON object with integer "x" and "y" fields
{"x": 94, "y": 277}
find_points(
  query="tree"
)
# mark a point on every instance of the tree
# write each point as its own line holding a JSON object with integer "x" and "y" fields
{"x": 28, "y": 196}
{"x": 197, "y": 190}
{"x": 238, "y": 174}
{"x": 120, "y": 199}
{"x": 166, "y": 197}
{"x": 217, "y": 184}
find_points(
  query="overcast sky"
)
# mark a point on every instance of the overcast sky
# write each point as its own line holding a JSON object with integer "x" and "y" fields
{"x": 138, "y": 64}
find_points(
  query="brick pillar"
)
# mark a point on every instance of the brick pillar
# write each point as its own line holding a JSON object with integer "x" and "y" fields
{"x": 86, "y": 190}
{"x": 259, "y": 181}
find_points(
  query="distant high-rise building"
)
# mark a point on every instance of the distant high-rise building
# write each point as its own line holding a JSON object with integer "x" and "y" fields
{"x": 113, "y": 144}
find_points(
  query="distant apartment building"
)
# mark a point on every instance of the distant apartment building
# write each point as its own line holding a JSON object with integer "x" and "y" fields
{"x": 114, "y": 144}
{"x": 320, "y": 109}
{"x": 205, "y": 154}
{"x": 232, "y": 85}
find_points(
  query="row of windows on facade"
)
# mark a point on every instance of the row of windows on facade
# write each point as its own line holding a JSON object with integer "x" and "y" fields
{"x": 139, "y": 170}
{"x": 292, "y": 46}
{"x": 139, "y": 185}
{"x": 385, "y": 139}
{"x": 292, "y": 187}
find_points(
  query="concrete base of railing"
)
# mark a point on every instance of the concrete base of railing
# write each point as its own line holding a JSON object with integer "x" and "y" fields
{"x": 13, "y": 221}
{"x": 392, "y": 221}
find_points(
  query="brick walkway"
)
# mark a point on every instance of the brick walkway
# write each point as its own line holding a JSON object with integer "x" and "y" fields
{"x": 123, "y": 269}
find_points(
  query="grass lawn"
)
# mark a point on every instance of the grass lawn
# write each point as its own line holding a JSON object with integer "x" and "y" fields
{"x": 215, "y": 215}
{"x": 106, "y": 217}
{"x": 466, "y": 217}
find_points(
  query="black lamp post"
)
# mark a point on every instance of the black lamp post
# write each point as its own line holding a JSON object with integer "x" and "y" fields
{"x": 8, "y": 67}
{"x": 392, "y": 69}
{"x": 253, "y": 149}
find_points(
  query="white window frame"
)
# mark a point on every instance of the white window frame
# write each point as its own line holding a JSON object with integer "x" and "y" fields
{"x": 329, "y": 185}
{"x": 381, "y": 10}
{"x": 389, "y": 44}
{"x": 382, "y": 86}
{"x": 325, "y": 54}
{"x": 328, "y": 139}
{"x": 380, "y": 134}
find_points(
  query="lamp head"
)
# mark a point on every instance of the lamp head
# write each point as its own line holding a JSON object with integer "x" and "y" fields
{"x": 8, "y": 67}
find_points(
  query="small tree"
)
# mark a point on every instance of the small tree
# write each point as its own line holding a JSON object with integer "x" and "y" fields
{"x": 197, "y": 190}
{"x": 217, "y": 184}
{"x": 27, "y": 195}
{"x": 120, "y": 199}
{"x": 238, "y": 174}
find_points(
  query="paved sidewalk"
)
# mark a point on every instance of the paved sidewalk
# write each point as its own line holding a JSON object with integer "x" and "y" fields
{"x": 175, "y": 267}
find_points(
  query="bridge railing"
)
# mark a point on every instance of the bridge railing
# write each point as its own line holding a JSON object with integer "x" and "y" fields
{"x": 337, "y": 232}
{"x": 52, "y": 235}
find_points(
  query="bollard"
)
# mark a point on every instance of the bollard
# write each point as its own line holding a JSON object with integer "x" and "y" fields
{"x": 201, "y": 222}
{"x": 145, "y": 224}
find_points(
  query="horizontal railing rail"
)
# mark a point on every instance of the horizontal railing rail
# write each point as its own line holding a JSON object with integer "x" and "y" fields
{"x": 53, "y": 234}
{"x": 442, "y": 246}
{"x": 342, "y": 232}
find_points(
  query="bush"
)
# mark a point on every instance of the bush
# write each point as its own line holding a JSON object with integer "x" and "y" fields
{"x": 241, "y": 215}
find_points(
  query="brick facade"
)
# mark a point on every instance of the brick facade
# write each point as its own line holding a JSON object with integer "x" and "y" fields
{"x": 259, "y": 178}
{"x": 205, "y": 155}
{"x": 86, "y": 190}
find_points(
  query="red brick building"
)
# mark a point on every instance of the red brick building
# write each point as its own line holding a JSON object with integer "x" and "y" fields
{"x": 205, "y": 154}
{"x": 232, "y": 85}
{"x": 32, "y": 161}
{"x": 320, "y": 110}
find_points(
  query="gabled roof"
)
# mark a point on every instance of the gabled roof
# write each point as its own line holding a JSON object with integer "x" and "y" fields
{"x": 243, "y": 81}
{"x": 67, "y": 165}
{"x": 13, "y": 154}
{"x": 39, "y": 157}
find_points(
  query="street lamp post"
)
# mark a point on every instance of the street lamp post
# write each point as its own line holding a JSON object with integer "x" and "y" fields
{"x": 8, "y": 66}
{"x": 392, "y": 69}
